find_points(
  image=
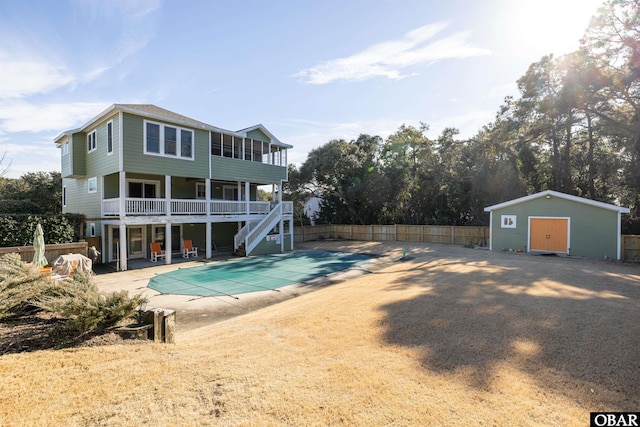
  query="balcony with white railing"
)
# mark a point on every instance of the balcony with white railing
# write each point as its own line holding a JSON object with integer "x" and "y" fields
{"x": 140, "y": 206}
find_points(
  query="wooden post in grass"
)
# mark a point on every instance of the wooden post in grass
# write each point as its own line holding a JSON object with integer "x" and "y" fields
{"x": 156, "y": 318}
{"x": 169, "y": 326}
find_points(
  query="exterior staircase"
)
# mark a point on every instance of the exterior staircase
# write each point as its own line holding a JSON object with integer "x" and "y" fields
{"x": 253, "y": 232}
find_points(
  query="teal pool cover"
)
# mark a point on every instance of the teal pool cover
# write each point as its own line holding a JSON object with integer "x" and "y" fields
{"x": 254, "y": 274}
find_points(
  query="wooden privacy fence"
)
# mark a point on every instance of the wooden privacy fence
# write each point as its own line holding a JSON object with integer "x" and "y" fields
{"x": 51, "y": 252}
{"x": 630, "y": 248}
{"x": 457, "y": 235}
{"x": 463, "y": 235}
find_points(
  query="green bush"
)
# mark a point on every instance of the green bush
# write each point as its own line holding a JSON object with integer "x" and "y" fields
{"x": 20, "y": 285}
{"x": 86, "y": 307}
{"x": 17, "y": 229}
{"x": 79, "y": 300}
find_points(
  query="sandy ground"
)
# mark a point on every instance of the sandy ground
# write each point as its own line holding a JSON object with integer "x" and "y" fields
{"x": 443, "y": 336}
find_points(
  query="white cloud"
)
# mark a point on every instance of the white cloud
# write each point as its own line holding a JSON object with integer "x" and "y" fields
{"x": 20, "y": 116}
{"x": 39, "y": 155}
{"x": 388, "y": 59}
{"x": 23, "y": 76}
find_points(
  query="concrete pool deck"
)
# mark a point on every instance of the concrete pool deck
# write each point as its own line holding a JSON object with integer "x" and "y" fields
{"x": 194, "y": 311}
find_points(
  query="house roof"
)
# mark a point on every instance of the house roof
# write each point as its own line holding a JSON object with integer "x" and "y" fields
{"x": 552, "y": 193}
{"x": 158, "y": 113}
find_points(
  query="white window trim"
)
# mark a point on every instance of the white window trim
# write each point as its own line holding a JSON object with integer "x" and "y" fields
{"x": 511, "y": 221}
{"x": 161, "y": 142}
{"x": 201, "y": 187}
{"x": 92, "y": 229}
{"x": 110, "y": 122}
{"x": 65, "y": 148}
{"x": 94, "y": 179}
{"x": 144, "y": 181}
{"x": 92, "y": 141}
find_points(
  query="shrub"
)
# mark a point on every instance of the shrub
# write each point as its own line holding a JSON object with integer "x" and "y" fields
{"x": 79, "y": 300}
{"x": 86, "y": 308}
{"x": 17, "y": 229}
{"x": 20, "y": 285}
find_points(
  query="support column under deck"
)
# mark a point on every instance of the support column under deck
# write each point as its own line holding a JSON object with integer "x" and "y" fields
{"x": 123, "y": 247}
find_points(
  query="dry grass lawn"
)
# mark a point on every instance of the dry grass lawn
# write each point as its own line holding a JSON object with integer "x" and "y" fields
{"x": 451, "y": 336}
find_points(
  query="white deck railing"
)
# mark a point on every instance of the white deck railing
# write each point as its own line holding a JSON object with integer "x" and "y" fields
{"x": 188, "y": 207}
{"x": 139, "y": 206}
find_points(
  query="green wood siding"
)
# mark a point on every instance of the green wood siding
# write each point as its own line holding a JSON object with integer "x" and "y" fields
{"x": 111, "y": 186}
{"x": 197, "y": 234}
{"x": 99, "y": 162}
{"x": 258, "y": 134}
{"x": 79, "y": 200}
{"x": 593, "y": 231}
{"x": 136, "y": 161}
{"x": 271, "y": 247}
{"x": 222, "y": 234}
{"x": 78, "y": 153}
{"x": 182, "y": 189}
{"x": 226, "y": 169}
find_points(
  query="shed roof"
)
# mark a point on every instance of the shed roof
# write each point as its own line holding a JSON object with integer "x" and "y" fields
{"x": 552, "y": 193}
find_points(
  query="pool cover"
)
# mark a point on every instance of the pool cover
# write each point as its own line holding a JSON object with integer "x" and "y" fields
{"x": 254, "y": 274}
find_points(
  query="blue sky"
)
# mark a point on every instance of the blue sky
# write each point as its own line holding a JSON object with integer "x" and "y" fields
{"x": 310, "y": 71}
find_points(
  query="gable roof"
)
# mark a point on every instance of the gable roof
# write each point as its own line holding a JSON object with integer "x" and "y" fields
{"x": 154, "y": 112}
{"x": 565, "y": 196}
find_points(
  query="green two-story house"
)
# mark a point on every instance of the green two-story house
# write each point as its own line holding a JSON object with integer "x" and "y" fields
{"x": 143, "y": 174}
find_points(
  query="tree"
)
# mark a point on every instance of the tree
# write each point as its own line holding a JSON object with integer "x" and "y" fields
{"x": 40, "y": 191}
{"x": 4, "y": 169}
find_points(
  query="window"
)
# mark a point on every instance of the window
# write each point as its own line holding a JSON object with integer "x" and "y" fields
{"x": 186, "y": 143}
{"x": 201, "y": 191}
{"x": 93, "y": 184}
{"x": 257, "y": 150}
{"x": 237, "y": 147}
{"x": 508, "y": 221}
{"x": 152, "y": 138}
{"x": 110, "y": 137}
{"x": 227, "y": 148}
{"x": 65, "y": 148}
{"x": 142, "y": 189}
{"x": 168, "y": 141}
{"x": 92, "y": 229}
{"x": 64, "y": 196}
{"x": 92, "y": 142}
{"x": 247, "y": 149}
{"x": 216, "y": 144}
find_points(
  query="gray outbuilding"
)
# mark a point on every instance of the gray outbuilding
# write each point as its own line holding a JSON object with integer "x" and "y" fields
{"x": 554, "y": 222}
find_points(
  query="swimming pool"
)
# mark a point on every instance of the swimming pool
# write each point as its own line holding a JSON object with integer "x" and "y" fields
{"x": 254, "y": 274}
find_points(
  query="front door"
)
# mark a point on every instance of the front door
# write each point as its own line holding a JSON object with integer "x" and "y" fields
{"x": 549, "y": 234}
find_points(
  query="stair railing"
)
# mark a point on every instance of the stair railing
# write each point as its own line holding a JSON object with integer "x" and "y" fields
{"x": 253, "y": 237}
{"x": 241, "y": 235}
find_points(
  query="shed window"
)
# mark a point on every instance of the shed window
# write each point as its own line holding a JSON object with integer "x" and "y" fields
{"x": 508, "y": 221}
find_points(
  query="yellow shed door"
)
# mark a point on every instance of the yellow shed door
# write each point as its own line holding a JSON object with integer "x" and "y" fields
{"x": 549, "y": 234}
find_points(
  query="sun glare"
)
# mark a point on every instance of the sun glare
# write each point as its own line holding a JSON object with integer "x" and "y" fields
{"x": 550, "y": 26}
